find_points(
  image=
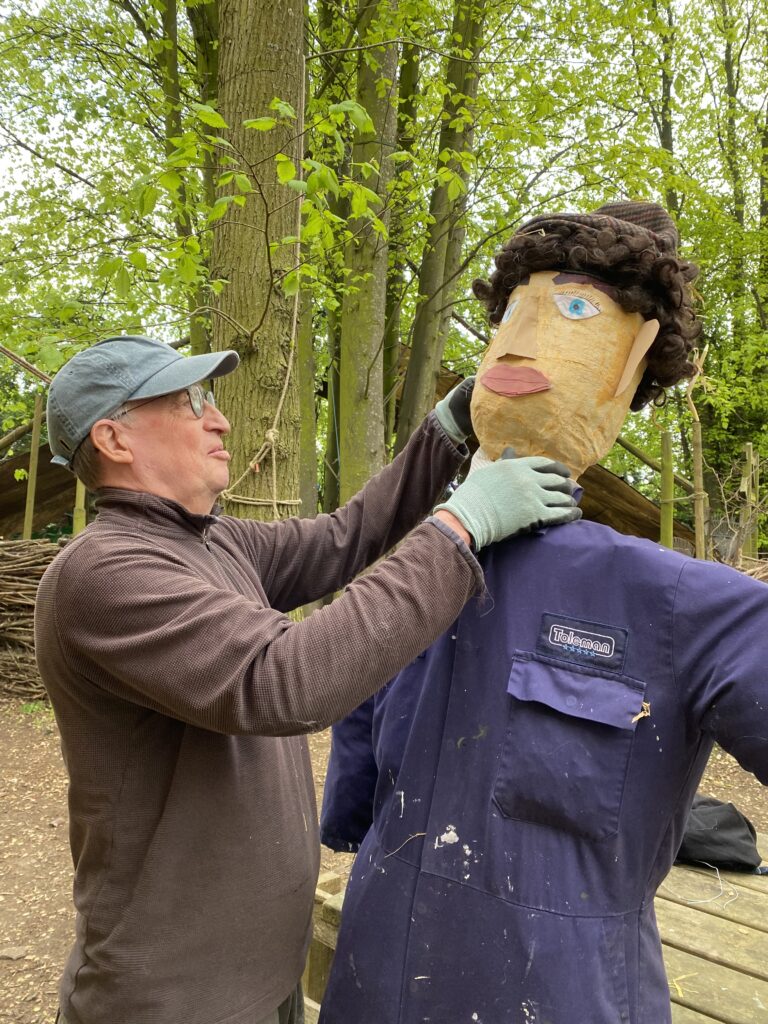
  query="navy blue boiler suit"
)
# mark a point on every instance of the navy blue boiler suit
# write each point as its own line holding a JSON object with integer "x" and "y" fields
{"x": 525, "y": 807}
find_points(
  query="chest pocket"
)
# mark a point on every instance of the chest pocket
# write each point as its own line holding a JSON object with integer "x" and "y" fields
{"x": 567, "y": 745}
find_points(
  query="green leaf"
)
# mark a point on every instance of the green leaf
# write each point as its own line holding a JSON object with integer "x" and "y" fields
{"x": 170, "y": 181}
{"x": 358, "y": 115}
{"x": 69, "y": 310}
{"x": 284, "y": 109}
{"x": 209, "y": 116}
{"x": 50, "y": 357}
{"x": 20, "y": 474}
{"x": 122, "y": 282}
{"x": 243, "y": 182}
{"x": 312, "y": 226}
{"x": 286, "y": 169}
{"x": 108, "y": 266}
{"x": 218, "y": 209}
{"x": 148, "y": 200}
{"x": 358, "y": 205}
{"x": 323, "y": 179}
{"x": 260, "y": 124}
{"x": 290, "y": 283}
{"x": 188, "y": 269}
{"x": 217, "y": 140}
{"x": 455, "y": 187}
{"x": 138, "y": 259}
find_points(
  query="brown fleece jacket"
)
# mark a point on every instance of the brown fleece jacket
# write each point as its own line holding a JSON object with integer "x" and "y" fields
{"x": 181, "y": 689}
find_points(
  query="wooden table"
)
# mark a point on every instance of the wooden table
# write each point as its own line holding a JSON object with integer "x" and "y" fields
{"x": 714, "y": 930}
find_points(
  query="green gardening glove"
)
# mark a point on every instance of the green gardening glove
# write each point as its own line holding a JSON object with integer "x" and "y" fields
{"x": 453, "y": 411}
{"x": 513, "y": 496}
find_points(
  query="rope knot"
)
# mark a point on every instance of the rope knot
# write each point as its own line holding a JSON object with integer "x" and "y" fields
{"x": 272, "y": 436}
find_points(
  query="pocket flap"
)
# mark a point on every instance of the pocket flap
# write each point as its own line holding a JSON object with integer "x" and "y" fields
{"x": 608, "y": 698}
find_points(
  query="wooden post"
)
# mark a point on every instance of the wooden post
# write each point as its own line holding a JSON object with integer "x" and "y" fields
{"x": 756, "y": 485}
{"x": 653, "y": 464}
{"x": 34, "y": 453}
{"x": 704, "y": 548}
{"x": 667, "y": 491}
{"x": 746, "y": 526}
{"x": 78, "y": 514}
{"x": 699, "y": 494}
{"x": 329, "y": 896}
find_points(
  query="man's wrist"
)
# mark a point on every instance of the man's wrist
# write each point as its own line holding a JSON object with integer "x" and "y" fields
{"x": 454, "y": 524}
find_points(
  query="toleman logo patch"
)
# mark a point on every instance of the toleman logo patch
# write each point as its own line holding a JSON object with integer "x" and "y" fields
{"x": 581, "y": 641}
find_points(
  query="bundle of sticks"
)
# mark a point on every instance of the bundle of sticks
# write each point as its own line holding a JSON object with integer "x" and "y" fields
{"x": 759, "y": 571}
{"x": 22, "y": 563}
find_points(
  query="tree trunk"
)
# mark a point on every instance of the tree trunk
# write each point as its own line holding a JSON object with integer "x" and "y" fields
{"x": 436, "y": 278}
{"x": 366, "y": 255}
{"x": 204, "y": 20}
{"x": 331, "y": 464}
{"x": 396, "y": 283}
{"x": 260, "y": 57}
{"x": 665, "y": 122}
{"x": 306, "y": 374}
{"x": 168, "y": 59}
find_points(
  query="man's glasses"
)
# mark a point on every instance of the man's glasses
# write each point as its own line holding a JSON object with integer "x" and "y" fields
{"x": 195, "y": 393}
{"x": 197, "y": 399}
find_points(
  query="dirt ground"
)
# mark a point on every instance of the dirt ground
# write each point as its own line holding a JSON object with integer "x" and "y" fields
{"x": 35, "y": 866}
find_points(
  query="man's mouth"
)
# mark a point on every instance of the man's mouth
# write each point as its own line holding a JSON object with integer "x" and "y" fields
{"x": 512, "y": 381}
{"x": 220, "y": 453}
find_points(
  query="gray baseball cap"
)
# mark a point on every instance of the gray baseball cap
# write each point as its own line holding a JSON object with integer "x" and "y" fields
{"x": 98, "y": 380}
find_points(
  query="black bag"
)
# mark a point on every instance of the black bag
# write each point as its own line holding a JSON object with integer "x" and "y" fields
{"x": 719, "y": 834}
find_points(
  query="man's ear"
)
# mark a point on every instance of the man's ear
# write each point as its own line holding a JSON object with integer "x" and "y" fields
{"x": 109, "y": 439}
{"x": 643, "y": 340}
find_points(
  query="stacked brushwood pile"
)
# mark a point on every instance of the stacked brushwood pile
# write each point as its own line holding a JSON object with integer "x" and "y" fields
{"x": 757, "y": 569}
{"x": 22, "y": 563}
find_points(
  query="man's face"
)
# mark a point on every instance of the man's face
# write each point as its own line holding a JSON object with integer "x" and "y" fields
{"x": 548, "y": 382}
{"x": 176, "y": 454}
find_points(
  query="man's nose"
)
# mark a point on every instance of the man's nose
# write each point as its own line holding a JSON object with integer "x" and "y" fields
{"x": 518, "y": 336}
{"x": 215, "y": 419}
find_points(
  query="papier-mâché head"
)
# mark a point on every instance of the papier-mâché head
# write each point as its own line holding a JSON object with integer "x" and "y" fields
{"x": 595, "y": 316}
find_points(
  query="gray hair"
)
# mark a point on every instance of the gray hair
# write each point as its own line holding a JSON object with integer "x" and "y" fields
{"x": 86, "y": 462}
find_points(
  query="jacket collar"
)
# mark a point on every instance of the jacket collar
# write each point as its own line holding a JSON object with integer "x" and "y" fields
{"x": 162, "y": 512}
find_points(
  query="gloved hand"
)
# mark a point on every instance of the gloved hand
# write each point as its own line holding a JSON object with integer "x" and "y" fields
{"x": 453, "y": 411}
{"x": 513, "y": 496}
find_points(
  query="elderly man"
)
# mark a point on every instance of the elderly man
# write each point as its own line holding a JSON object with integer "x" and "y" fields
{"x": 529, "y": 776}
{"x": 182, "y": 689}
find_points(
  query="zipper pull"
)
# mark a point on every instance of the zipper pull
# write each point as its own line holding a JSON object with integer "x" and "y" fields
{"x": 644, "y": 712}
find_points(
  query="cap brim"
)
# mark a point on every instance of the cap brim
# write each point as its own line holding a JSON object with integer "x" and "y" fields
{"x": 187, "y": 370}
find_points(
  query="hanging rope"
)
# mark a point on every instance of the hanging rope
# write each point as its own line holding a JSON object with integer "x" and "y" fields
{"x": 272, "y": 435}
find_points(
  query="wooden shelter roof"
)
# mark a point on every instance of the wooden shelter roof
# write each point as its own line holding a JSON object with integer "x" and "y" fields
{"x": 54, "y": 498}
{"x": 612, "y": 501}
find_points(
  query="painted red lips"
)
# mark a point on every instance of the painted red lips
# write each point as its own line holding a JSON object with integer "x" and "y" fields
{"x": 511, "y": 381}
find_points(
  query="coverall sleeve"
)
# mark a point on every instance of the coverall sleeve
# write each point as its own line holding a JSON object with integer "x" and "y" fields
{"x": 720, "y": 658}
{"x": 350, "y": 782}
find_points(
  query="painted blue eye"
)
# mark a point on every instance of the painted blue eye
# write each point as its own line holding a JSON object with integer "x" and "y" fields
{"x": 575, "y": 307}
{"x": 509, "y": 311}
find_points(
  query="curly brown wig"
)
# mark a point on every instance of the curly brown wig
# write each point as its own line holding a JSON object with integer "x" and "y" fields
{"x": 632, "y": 247}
